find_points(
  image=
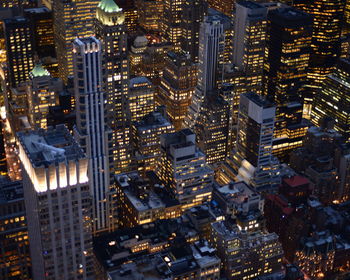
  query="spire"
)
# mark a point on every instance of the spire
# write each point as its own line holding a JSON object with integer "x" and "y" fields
{"x": 109, "y": 6}
{"x": 39, "y": 71}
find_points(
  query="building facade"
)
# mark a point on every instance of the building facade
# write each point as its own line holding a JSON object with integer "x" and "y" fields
{"x": 58, "y": 204}
{"x": 91, "y": 130}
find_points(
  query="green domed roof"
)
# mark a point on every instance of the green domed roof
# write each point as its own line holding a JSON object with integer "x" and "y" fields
{"x": 109, "y": 6}
{"x": 39, "y": 71}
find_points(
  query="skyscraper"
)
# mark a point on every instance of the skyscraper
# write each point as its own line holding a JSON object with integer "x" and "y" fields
{"x": 42, "y": 91}
{"x": 177, "y": 86}
{"x": 332, "y": 101}
{"x": 72, "y": 19}
{"x": 253, "y": 155}
{"x": 286, "y": 67}
{"x": 171, "y": 21}
{"x": 58, "y": 204}
{"x": 326, "y": 31}
{"x": 212, "y": 128}
{"x": 111, "y": 30}
{"x": 91, "y": 129}
{"x": 183, "y": 168}
{"x": 249, "y": 40}
{"x": 19, "y": 48}
{"x": 193, "y": 12}
{"x": 211, "y": 48}
{"x": 150, "y": 14}
{"x": 141, "y": 98}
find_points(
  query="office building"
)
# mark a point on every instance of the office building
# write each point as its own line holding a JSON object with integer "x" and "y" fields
{"x": 171, "y": 22}
{"x": 253, "y": 153}
{"x": 111, "y": 30}
{"x": 146, "y": 139}
{"x": 91, "y": 130}
{"x": 177, "y": 86}
{"x": 72, "y": 19}
{"x": 326, "y": 34}
{"x": 150, "y": 14}
{"x": 211, "y": 48}
{"x": 238, "y": 198}
{"x": 141, "y": 98}
{"x": 14, "y": 254}
{"x": 212, "y": 128}
{"x": 287, "y": 60}
{"x": 193, "y": 13}
{"x": 183, "y": 168}
{"x": 289, "y": 43}
{"x": 249, "y": 40}
{"x": 58, "y": 204}
{"x": 140, "y": 201}
{"x": 42, "y": 91}
{"x": 19, "y": 49}
{"x": 226, "y": 7}
{"x": 41, "y": 22}
{"x": 246, "y": 255}
{"x": 332, "y": 101}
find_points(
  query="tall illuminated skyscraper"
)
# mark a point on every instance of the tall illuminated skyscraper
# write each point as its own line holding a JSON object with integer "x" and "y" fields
{"x": 91, "y": 128}
{"x": 177, "y": 86}
{"x": 58, "y": 204}
{"x": 42, "y": 91}
{"x": 253, "y": 154}
{"x": 326, "y": 32}
{"x": 111, "y": 30}
{"x": 212, "y": 128}
{"x": 287, "y": 59}
{"x": 193, "y": 12}
{"x": 150, "y": 14}
{"x": 72, "y": 19}
{"x": 333, "y": 100}
{"x": 171, "y": 21}
{"x": 211, "y": 48}
{"x": 249, "y": 40}
{"x": 19, "y": 48}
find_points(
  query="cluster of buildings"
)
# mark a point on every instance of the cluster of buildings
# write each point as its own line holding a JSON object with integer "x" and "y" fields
{"x": 174, "y": 139}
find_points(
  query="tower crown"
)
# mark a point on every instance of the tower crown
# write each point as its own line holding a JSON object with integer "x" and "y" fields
{"x": 39, "y": 71}
{"x": 109, "y": 13}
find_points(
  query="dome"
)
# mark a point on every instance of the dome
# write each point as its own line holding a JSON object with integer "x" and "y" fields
{"x": 109, "y": 6}
{"x": 39, "y": 71}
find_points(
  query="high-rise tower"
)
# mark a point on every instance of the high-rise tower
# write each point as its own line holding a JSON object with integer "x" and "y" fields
{"x": 19, "y": 48}
{"x": 91, "y": 128}
{"x": 211, "y": 48}
{"x": 326, "y": 32}
{"x": 42, "y": 91}
{"x": 58, "y": 204}
{"x": 253, "y": 154}
{"x": 111, "y": 30}
{"x": 72, "y": 19}
{"x": 333, "y": 101}
{"x": 288, "y": 52}
{"x": 193, "y": 12}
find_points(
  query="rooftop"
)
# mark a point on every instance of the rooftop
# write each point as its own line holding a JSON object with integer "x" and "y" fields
{"x": 109, "y": 6}
{"x": 39, "y": 71}
{"x": 46, "y": 147}
{"x": 142, "y": 193}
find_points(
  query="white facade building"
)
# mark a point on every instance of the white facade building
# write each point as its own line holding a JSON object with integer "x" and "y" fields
{"x": 91, "y": 130}
{"x": 58, "y": 204}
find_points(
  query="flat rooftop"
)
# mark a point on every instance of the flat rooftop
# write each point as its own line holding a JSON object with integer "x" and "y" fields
{"x": 54, "y": 145}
